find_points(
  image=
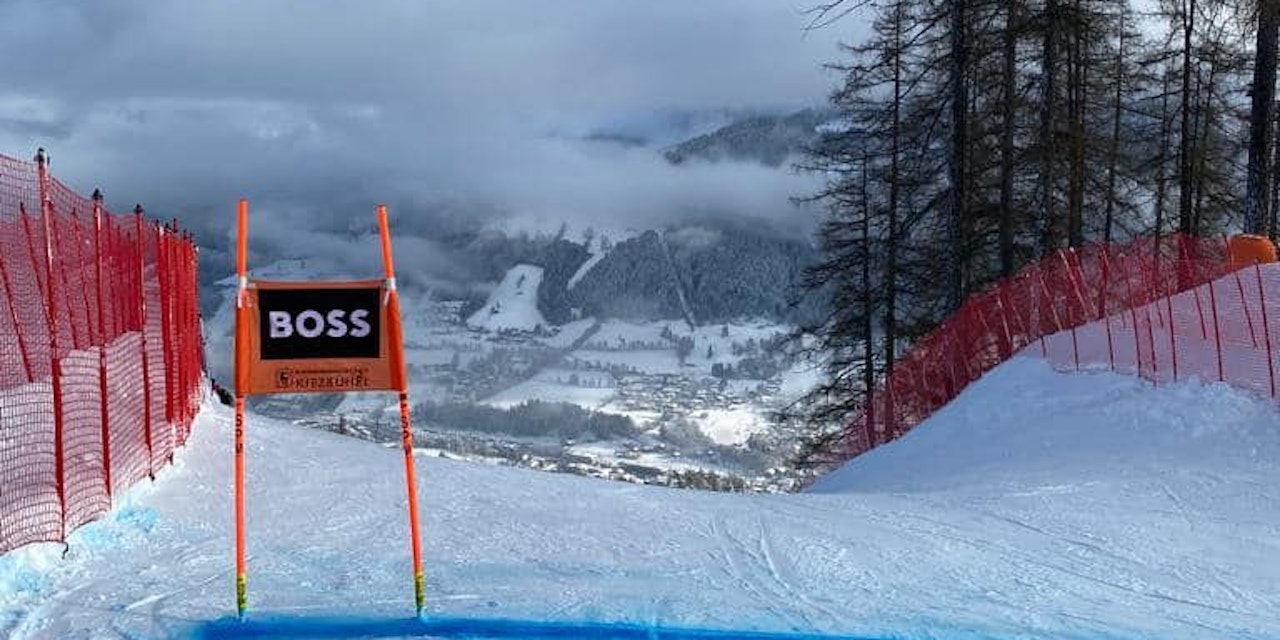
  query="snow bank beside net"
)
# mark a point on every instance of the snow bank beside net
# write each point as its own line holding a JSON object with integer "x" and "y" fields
{"x": 1134, "y": 307}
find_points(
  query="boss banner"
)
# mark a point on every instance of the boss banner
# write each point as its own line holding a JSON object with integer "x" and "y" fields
{"x": 317, "y": 337}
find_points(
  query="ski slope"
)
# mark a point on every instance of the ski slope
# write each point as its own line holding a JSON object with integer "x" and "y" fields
{"x": 513, "y": 305}
{"x": 1036, "y": 505}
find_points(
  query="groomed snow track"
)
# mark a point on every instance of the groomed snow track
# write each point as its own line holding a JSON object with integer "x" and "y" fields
{"x": 1038, "y": 504}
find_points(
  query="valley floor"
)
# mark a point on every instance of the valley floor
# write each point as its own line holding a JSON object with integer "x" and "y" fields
{"x": 1036, "y": 505}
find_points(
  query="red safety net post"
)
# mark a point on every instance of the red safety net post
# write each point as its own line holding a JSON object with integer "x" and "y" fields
{"x": 959, "y": 351}
{"x": 1266, "y": 330}
{"x": 1150, "y": 276}
{"x": 1020, "y": 295}
{"x": 192, "y": 347}
{"x": 51, "y": 311}
{"x": 190, "y": 337}
{"x": 195, "y": 333}
{"x": 1244, "y": 305}
{"x": 1003, "y": 320}
{"x": 140, "y": 325}
{"x": 166, "y": 329}
{"x": 890, "y": 410}
{"x": 179, "y": 241}
{"x": 103, "y": 410}
{"x": 173, "y": 240}
{"x": 1235, "y": 266}
{"x": 1129, "y": 261}
{"x": 1044, "y": 307}
{"x": 154, "y": 294}
{"x": 1075, "y": 313}
{"x": 1103, "y": 291}
{"x": 130, "y": 460}
{"x": 1217, "y": 331}
{"x": 177, "y": 317}
{"x": 191, "y": 350}
{"x": 1173, "y": 338}
{"x": 1186, "y": 271}
{"x": 173, "y": 375}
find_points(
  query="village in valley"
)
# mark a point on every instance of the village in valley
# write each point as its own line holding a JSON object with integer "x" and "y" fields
{"x": 687, "y": 406}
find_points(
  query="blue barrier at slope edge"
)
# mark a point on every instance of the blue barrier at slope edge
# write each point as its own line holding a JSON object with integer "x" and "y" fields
{"x": 476, "y": 628}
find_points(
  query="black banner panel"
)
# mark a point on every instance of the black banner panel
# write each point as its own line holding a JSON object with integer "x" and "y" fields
{"x": 304, "y": 324}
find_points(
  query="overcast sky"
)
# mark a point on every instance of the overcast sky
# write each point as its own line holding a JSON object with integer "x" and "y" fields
{"x": 315, "y": 107}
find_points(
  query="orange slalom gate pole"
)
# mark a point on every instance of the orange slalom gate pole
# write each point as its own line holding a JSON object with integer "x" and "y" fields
{"x": 242, "y": 388}
{"x": 399, "y": 379}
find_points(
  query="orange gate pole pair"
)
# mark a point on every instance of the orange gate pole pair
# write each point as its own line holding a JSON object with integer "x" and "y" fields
{"x": 399, "y": 384}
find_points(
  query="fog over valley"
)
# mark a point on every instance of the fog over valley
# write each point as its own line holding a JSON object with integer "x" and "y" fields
{"x": 599, "y": 217}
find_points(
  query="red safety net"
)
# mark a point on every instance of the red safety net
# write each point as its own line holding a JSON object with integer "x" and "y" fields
{"x": 1162, "y": 308}
{"x": 100, "y": 353}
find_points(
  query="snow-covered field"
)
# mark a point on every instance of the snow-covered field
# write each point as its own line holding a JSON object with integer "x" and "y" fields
{"x": 1036, "y": 505}
{"x": 548, "y": 386}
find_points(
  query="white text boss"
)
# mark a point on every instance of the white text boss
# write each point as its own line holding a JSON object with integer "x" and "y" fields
{"x": 312, "y": 324}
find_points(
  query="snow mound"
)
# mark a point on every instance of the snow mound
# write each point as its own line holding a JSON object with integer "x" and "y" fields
{"x": 514, "y": 304}
{"x": 1025, "y": 425}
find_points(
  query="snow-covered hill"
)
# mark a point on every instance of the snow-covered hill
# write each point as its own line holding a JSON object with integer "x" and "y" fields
{"x": 1036, "y": 505}
{"x": 514, "y": 304}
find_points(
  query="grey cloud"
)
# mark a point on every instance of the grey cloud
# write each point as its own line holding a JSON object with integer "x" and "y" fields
{"x": 575, "y": 54}
{"x": 318, "y": 109}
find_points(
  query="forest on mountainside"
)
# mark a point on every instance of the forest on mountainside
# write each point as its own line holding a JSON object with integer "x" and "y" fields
{"x": 973, "y": 137}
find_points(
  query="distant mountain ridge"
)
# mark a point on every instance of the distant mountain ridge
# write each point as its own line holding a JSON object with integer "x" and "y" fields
{"x": 705, "y": 267}
{"x": 705, "y": 272}
{"x": 766, "y": 139}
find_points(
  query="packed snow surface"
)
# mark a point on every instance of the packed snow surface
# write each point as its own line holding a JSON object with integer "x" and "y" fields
{"x": 514, "y": 304}
{"x": 1036, "y": 505}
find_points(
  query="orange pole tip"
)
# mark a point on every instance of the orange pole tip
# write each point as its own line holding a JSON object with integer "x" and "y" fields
{"x": 242, "y": 239}
{"x": 388, "y": 264}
